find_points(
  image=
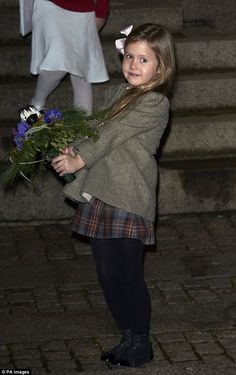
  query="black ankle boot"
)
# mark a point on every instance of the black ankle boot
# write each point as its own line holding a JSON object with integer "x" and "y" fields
{"x": 139, "y": 352}
{"x": 119, "y": 350}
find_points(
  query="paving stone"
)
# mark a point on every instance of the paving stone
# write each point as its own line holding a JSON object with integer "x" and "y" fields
{"x": 187, "y": 336}
{"x": 20, "y": 297}
{"x": 57, "y": 355}
{"x": 231, "y": 353}
{"x": 45, "y": 300}
{"x": 25, "y": 345}
{"x": 4, "y": 311}
{"x": 170, "y": 338}
{"x": 177, "y": 346}
{"x": 199, "y": 336}
{"x": 52, "y": 326}
{"x": 226, "y": 334}
{"x": 51, "y": 308}
{"x": 3, "y": 301}
{"x": 208, "y": 266}
{"x": 220, "y": 283}
{"x": 53, "y": 345}
{"x": 26, "y": 354}
{"x": 161, "y": 269}
{"x": 157, "y": 350}
{"x": 8, "y": 251}
{"x": 74, "y": 271}
{"x": 182, "y": 356}
{"x": 44, "y": 291}
{"x": 14, "y": 261}
{"x": 180, "y": 251}
{"x": 72, "y": 297}
{"x": 168, "y": 286}
{"x": 232, "y": 218}
{"x": 208, "y": 348}
{"x": 156, "y": 297}
{"x": 79, "y": 307}
{"x": 60, "y": 250}
{"x": 24, "y": 309}
{"x": 34, "y": 245}
{"x": 90, "y": 347}
{"x": 29, "y": 364}
{"x": 201, "y": 295}
{"x": 206, "y": 370}
{"x": 4, "y": 363}
{"x": 229, "y": 344}
{"x": 72, "y": 288}
{"x": 23, "y": 276}
{"x": 81, "y": 245}
{"x": 62, "y": 364}
{"x": 176, "y": 299}
{"x": 220, "y": 360}
{"x": 3, "y": 351}
{"x": 64, "y": 371}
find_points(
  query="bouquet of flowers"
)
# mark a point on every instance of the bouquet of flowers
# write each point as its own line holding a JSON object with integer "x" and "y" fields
{"x": 40, "y": 137}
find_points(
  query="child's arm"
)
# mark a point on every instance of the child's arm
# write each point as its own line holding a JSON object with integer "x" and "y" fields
{"x": 101, "y": 12}
{"x": 67, "y": 162}
{"x": 100, "y": 22}
{"x": 151, "y": 112}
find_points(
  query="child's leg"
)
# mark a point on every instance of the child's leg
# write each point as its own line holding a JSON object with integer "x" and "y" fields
{"x": 109, "y": 265}
{"x": 82, "y": 93}
{"x": 119, "y": 265}
{"x": 136, "y": 291}
{"x": 47, "y": 82}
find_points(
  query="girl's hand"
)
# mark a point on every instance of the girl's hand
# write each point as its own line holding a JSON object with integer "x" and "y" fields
{"x": 67, "y": 162}
{"x": 100, "y": 22}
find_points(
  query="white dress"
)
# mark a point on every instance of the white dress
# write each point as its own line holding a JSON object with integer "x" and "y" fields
{"x": 67, "y": 41}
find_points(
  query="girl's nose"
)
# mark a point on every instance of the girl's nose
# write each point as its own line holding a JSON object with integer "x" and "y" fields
{"x": 133, "y": 64}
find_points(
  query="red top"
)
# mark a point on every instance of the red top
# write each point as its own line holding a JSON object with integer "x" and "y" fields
{"x": 100, "y": 7}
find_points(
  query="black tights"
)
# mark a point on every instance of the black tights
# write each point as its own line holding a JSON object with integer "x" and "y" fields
{"x": 119, "y": 264}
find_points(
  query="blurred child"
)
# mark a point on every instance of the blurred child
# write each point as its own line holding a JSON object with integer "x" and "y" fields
{"x": 65, "y": 40}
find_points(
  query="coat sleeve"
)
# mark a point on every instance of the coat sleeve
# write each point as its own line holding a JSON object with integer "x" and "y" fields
{"x": 151, "y": 112}
{"x": 102, "y": 8}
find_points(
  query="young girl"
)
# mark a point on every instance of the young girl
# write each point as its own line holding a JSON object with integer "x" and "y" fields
{"x": 65, "y": 40}
{"x": 116, "y": 185}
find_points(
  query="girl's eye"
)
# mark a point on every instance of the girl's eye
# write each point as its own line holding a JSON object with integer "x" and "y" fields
{"x": 143, "y": 60}
{"x": 128, "y": 57}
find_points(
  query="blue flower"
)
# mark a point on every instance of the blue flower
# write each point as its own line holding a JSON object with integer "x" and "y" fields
{"x": 51, "y": 115}
{"x": 22, "y": 128}
{"x": 18, "y": 142}
{"x": 19, "y": 133}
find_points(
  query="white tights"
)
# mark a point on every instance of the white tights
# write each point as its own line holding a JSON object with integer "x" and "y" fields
{"x": 47, "y": 82}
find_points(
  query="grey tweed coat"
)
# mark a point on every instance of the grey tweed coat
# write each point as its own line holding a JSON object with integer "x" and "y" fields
{"x": 120, "y": 168}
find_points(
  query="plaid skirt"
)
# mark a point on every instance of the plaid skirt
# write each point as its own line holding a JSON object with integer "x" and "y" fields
{"x": 100, "y": 220}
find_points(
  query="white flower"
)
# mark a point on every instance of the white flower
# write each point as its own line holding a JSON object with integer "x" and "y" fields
{"x": 25, "y": 113}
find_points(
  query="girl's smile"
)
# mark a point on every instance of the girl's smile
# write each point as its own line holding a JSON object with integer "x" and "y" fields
{"x": 139, "y": 64}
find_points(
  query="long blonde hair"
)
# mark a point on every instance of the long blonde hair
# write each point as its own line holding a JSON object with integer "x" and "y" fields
{"x": 161, "y": 42}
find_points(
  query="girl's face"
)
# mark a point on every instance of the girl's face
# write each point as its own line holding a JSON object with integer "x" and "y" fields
{"x": 140, "y": 64}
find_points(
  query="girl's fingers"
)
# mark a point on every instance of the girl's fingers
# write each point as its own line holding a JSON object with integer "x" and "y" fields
{"x": 64, "y": 151}
{"x": 61, "y": 170}
{"x": 66, "y": 163}
{"x": 56, "y": 164}
{"x": 58, "y": 158}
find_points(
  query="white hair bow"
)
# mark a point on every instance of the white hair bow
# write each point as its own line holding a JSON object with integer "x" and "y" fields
{"x": 121, "y": 42}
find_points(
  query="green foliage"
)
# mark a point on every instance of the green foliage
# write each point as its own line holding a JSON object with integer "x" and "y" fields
{"x": 42, "y": 139}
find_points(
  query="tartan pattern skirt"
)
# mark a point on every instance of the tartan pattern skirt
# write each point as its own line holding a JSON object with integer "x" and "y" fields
{"x": 100, "y": 220}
